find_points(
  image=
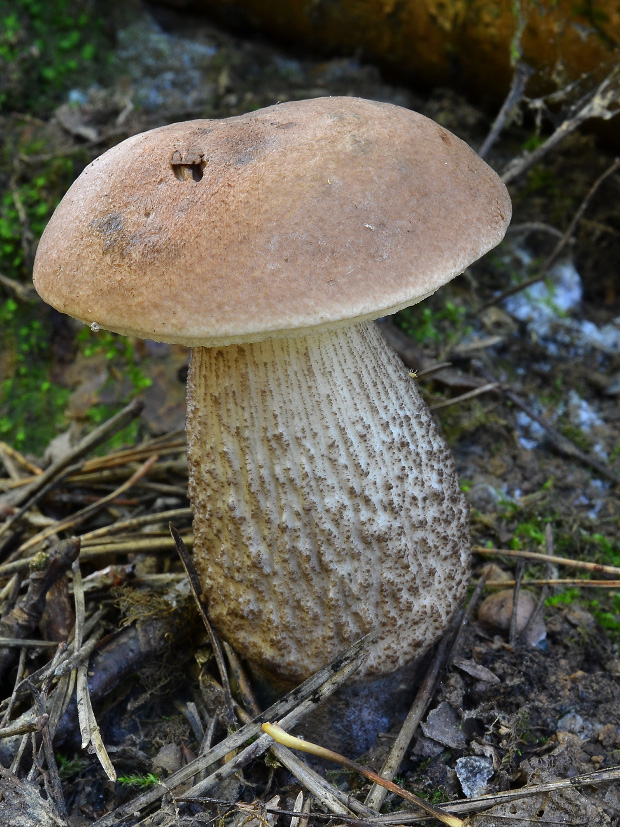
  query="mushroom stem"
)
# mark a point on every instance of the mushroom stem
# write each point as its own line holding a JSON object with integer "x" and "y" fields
{"x": 325, "y": 502}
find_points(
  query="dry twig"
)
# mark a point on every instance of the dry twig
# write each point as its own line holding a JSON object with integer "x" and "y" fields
{"x": 522, "y": 73}
{"x": 599, "y": 568}
{"x": 23, "y": 619}
{"x": 557, "y": 582}
{"x": 561, "y": 443}
{"x": 603, "y": 103}
{"x": 277, "y": 732}
{"x": 27, "y": 496}
{"x": 515, "y": 603}
{"x": 327, "y": 794}
{"x": 483, "y": 802}
{"x": 293, "y": 707}
{"x": 561, "y": 243}
{"x": 391, "y": 765}
{"x": 80, "y": 516}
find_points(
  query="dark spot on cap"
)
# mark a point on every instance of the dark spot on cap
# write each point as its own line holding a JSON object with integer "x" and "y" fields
{"x": 111, "y": 227}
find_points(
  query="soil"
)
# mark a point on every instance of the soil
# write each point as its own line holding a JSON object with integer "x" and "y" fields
{"x": 529, "y": 710}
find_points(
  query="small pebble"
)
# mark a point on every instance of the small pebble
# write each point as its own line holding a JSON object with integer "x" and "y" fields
{"x": 495, "y": 612}
{"x": 473, "y": 773}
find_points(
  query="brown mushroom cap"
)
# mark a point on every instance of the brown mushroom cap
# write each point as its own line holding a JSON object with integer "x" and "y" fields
{"x": 302, "y": 215}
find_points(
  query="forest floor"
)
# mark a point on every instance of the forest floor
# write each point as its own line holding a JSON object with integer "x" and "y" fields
{"x": 525, "y": 388}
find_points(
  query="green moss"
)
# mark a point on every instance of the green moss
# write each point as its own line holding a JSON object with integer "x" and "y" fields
{"x": 605, "y": 609}
{"x": 564, "y": 598}
{"x": 116, "y": 349}
{"x": 595, "y": 548}
{"x": 68, "y": 767}
{"x": 575, "y": 435}
{"x": 607, "y": 614}
{"x": 526, "y": 533}
{"x": 136, "y": 780}
{"x": 33, "y": 393}
{"x": 37, "y": 197}
{"x": 31, "y": 405}
{"x": 541, "y": 179}
{"x": 46, "y": 46}
{"x": 426, "y": 324}
{"x": 533, "y": 142}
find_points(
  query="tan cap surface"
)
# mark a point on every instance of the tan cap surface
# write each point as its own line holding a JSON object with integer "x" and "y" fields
{"x": 300, "y": 215}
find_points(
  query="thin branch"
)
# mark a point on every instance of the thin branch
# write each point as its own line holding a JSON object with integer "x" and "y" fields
{"x": 483, "y": 802}
{"x": 490, "y": 386}
{"x": 56, "y": 786}
{"x": 561, "y": 243}
{"x": 442, "y": 658}
{"x": 562, "y": 443}
{"x": 139, "y": 545}
{"x": 522, "y": 73}
{"x": 557, "y": 583}
{"x": 601, "y": 103}
{"x": 134, "y": 523}
{"x": 331, "y": 797}
{"x": 263, "y": 743}
{"x": 515, "y": 603}
{"x": 24, "y": 617}
{"x": 79, "y": 517}
{"x": 391, "y": 765}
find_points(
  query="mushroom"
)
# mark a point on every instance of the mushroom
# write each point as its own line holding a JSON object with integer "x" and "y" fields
{"x": 326, "y": 504}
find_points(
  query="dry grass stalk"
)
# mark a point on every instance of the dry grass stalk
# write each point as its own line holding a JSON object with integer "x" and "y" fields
{"x": 8, "y": 452}
{"x": 443, "y": 657}
{"x": 25, "y": 643}
{"x": 194, "y": 583}
{"x": 562, "y": 242}
{"x": 560, "y": 442}
{"x": 23, "y": 618}
{"x": 464, "y": 397}
{"x": 162, "y": 517}
{"x": 603, "y": 102}
{"x": 557, "y": 583}
{"x": 135, "y": 545}
{"x": 32, "y": 492}
{"x": 390, "y": 768}
{"x": 80, "y": 516}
